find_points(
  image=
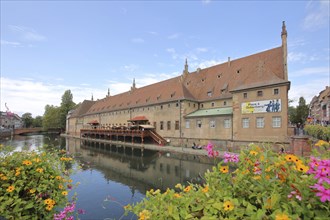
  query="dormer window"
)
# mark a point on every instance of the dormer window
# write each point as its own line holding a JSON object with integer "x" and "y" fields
{"x": 172, "y": 94}
{"x": 209, "y": 93}
{"x": 158, "y": 97}
{"x": 203, "y": 80}
{"x": 238, "y": 71}
{"x": 220, "y": 75}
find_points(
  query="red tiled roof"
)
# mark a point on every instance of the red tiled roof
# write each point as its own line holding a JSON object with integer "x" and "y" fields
{"x": 93, "y": 122}
{"x": 216, "y": 82}
{"x": 139, "y": 118}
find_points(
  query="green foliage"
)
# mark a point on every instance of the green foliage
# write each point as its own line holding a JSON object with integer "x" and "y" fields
{"x": 55, "y": 117}
{"x": 51, "y": 117}
{"x": 318, "y": 131}
{"x": 32, "y": 184}
{"x": 27, "y": 119}
{"x": 37, "y": 121}
{"x": 299, "y": 114}
{"x": 263, "y": 185}
{"x": 67, "y": 104}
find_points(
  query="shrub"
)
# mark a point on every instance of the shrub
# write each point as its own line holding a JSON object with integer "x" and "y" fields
{"x": 33, "y": 183}
{"x": 262, "y": 185}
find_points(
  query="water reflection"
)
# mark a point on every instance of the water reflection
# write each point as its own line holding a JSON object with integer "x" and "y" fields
{"x": 151, "y": 169}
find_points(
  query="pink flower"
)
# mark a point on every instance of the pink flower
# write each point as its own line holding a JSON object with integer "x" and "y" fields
{"x": 324, "y": 194}
{"x": 231, "y": 157}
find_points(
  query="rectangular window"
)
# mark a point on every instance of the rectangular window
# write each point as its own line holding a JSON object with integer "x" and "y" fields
{"x": 245, "y": 95}
{"x": 224, "y": 103}
{"x": 168, "y": 125}
{"x": 260, "y": 122}
{"x": 155, "y": 125}
{"x": 245, "y": 122}
{"x": 276, "y": 122}
{"x": 176, "y": 125}
{"x": 227, "y": 123}
{"x": 198, "y": 123}
{"x": 202, "y": 105}
{"x": 161, "y": 125}
{"x": 212, "y": 123}
{"x": 187, "y": 124}
{"x": 259, "y": 93}
{"x": 276, "y": 92}
{"x": 177, "y": 104}
{"x": 212, "y": 104}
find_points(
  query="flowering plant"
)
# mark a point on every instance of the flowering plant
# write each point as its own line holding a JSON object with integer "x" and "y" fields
{"x": 33, "y": 183}
{"x": 257, "y": 184}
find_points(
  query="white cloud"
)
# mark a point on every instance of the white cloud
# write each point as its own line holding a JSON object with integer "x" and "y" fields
{"x": 308, "y": 90}
{"x": 204, "y": 64}
{"x": 317, "y": 16}
{"x": 137, "y": 40}
{"x": 130, "y": 68}
{"x": 11, "y": 43}
{"x": 173, "y": 36}
{"x": 202, "y": 50}
{"x": 173, "y": 53}
{"x": 205, "y": 2}
{"x": 152, "y": 33}
{"x": 293, "y": 56}
{"x": 26, "y": 33}
{"x": 311, "y": 71}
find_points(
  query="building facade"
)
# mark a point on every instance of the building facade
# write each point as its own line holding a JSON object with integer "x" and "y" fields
{"x": 240, "y": 101}
{"x": 319, "y": 108}
{"x": 10, "y": 120}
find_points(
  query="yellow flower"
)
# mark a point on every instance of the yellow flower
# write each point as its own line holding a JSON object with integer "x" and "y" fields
{"x": 60, "y": 186}
{"x": 177, "y": 195}
{"x": 187, "y": 189}
{"x": 17, "y": 173}
{"x": 32, "y": 191}
{"x": 178, "y": 186}
{"x": 302, "y": 168}
{"x": 228, "y": 206}
{"x": 64, "y": 193}
{"x": 27, "y": 162}
{"x": 254, "y": 153}
{"x": 224, "y": 169}
{"x": 4, "y": 178}
{"x": 37, "y": 160}
{"x": 257, "y": 177}
{"x": 40, "y": 170}
{"x": 49, "y": 207}
{"x": 144, "y": 215}
{"x": 10, "y": 188}
{"x": 205, "y": 189}
{"x": 290, "y": 158}
{"x": 49, "y": 202}
{"x": 282, "y": 216}
{"x": 58, "y": 177}
{"x": 322, "y": 143}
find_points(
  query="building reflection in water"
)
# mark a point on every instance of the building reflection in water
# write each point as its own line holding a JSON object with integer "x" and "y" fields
{"x": 139, "y": 169}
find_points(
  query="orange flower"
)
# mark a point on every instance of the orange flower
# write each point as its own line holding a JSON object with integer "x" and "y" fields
{"x": 10, "y": 188}
{"x": 187, "y": 189}
{"x": 224, "y": 169}
{"x": 205, "y": 189}
{"x": 177, "y": 195}
{"x": 254, "y": 153}
{"x": 27, "y": 162}
{"x": 290, "y": 158}
{"x": 228, "y": 206}
{"x": 282, "y": 216}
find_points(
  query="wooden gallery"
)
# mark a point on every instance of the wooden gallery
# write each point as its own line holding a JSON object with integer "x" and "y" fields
{"x": 237, "y": 102}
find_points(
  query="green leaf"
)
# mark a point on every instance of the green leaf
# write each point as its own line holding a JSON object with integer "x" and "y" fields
{"x": 218, "y": 205}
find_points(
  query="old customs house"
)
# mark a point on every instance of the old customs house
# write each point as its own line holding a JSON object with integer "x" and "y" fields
{"x": 230, "y": 104}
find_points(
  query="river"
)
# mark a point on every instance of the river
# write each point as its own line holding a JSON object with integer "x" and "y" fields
{"x": 113, "y": 176}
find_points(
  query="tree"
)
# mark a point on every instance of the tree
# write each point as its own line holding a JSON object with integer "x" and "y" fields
{"x": 27, "y": 119}
{"x": 299, "y": 114}
{"x": 51, "y": 117}
{"x": 67, "y": 104}
{"x": 37, "y": 121}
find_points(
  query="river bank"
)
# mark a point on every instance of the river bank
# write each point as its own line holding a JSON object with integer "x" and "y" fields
{"x": 167, "y": 148}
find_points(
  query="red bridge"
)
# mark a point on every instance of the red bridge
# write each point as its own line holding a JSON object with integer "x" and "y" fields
{"x": 36, "y": 130}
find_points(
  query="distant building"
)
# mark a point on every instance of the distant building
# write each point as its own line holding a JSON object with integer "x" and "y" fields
{"x": 10, "y": 120}
{"x": 240, "y": 101}
{"x": 320, "y": 108}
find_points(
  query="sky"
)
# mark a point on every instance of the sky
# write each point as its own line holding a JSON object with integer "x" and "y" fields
{"x": 88, "y": 47}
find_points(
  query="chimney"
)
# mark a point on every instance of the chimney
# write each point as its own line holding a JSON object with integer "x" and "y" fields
{"x": 198, "y": 70}
{"x": 228, "y": 61}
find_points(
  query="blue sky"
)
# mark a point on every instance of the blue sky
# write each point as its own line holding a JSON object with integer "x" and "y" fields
{"x": 48, "y": 47}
